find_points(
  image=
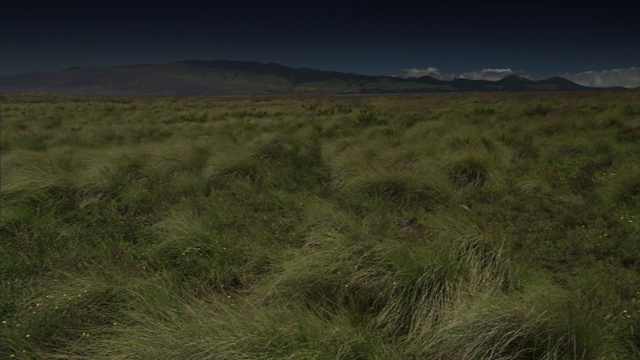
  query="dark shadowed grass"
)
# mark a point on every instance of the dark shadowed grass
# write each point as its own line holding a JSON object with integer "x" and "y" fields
{"x": 471, "y": 172}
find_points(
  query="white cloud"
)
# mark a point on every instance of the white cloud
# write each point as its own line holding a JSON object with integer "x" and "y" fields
{"x": 484, "y": 74}
{"x": 628, "y": 77}
{"x": 428, "y": 71}
{"x": 487, "y": 74}
{"x": 497, "y": 70}
{"x": 413, "y": 72}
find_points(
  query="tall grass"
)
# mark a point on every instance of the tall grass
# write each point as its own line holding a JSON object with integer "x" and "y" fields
{"x": 459, "y": 226}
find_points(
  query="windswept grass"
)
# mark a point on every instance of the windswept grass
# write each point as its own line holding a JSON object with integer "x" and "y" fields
{"x": 460, "y": 226}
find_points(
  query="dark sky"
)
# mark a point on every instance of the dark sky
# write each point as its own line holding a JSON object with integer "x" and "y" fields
{"x": 362, "y": 37}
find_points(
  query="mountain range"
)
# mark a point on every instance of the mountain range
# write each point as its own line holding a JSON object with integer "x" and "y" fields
{"x": 224, "y": 77}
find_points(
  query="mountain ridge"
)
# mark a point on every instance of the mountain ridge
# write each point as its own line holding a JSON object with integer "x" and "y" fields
{"x": 228, "y": 77}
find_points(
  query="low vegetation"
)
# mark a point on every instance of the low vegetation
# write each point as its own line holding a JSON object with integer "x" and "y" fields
{"x": 457, "y": 226}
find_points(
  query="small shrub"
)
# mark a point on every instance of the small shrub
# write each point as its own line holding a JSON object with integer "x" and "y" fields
{"x": 629, "y": 132}
{"x": 192, "y": 118}
{"x": 149, "y": 134}
{"x": 52, "y": 122}
{"x": 552, "y": 128}
{"x": 369, "y": 118}
{"x": 539, "y": 110}
{"x": 410, "y": 120}
{"x": 35, "y": 143}
{"x": 484, "y": 111}
{"x": 4, "y": 146}
{"x": 111, "y": 135}
{"x": 608, "y": 123}
{"x": 631, "y": 110}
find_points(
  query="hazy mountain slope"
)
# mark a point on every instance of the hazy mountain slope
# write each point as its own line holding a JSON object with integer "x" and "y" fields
{"x": 223, "y": 77}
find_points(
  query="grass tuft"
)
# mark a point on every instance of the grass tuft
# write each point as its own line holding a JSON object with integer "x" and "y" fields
{"x": 468, "y": 172}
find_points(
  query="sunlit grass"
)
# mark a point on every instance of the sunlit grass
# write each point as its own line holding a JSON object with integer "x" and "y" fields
{"x": 460, "y": 226}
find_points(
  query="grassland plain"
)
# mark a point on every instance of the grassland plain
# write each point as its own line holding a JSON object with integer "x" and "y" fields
{"x": 458, "y": 226}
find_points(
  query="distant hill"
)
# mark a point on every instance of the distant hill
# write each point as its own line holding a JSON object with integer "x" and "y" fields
{"x": 223, "y": 77}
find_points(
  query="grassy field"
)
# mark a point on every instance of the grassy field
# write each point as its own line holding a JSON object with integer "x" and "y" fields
{"x": 460, "y": 226}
